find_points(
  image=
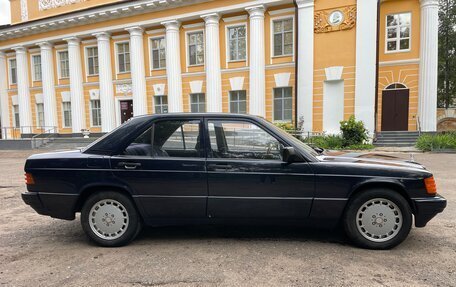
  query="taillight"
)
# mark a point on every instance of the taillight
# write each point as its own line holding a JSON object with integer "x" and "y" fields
{"x": 429, "y": 183}
{"x": 29, "y": 179}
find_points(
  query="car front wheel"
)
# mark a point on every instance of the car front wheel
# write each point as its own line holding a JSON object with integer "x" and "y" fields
{"x": 110, "y": 219}
{"x": 378, "y": 219}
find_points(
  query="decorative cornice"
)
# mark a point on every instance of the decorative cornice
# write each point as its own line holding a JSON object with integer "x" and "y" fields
{"x": 156, "y": 31}
{"x": 194, "y": 25}
{"x": 281, "y": 11}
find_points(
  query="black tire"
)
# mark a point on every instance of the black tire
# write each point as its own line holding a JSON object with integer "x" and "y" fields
{"x": 353, "y": 226}
{"x": 131, "y": 226}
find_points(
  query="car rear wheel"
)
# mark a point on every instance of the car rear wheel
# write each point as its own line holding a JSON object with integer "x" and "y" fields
{"x": 110, "y": 219}
{"x": 378, "y": 219}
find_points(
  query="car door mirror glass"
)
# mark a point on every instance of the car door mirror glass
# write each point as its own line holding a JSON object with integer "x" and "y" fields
{"x": 289, "y": 155}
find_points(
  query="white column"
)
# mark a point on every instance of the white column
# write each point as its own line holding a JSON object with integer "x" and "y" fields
{"x": 108, "y": 117}
{"x": 257, "y": 62}
{"x": 76, "y": 90}
{"x": 427, "y": 93}
{"x": 138, "y": 73}
{"x": 213, "y": 72}
{"x": 4, "y": 105}
{"x": 47, "y": 71}
{"x": 23, "y": 92}
{"x": 366, "y": 55}
{"x": 173, "y": 66}
{"x": 305, "y": 63}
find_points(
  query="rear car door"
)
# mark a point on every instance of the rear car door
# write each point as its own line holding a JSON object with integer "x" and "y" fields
{"x": 247, "y": 177}
{"x": 165, "y": 169}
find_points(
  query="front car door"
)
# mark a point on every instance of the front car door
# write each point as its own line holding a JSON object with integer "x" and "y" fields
{"x": 164, "y": 168}
{"x": 247, "y": 177}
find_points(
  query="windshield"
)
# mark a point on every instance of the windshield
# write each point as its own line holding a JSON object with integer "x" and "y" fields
{"x": 295, "y": 141}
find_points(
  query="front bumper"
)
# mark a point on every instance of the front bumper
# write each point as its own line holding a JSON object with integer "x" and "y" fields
{"x": 60, "y": 206}
{"x": 428, "y": 207}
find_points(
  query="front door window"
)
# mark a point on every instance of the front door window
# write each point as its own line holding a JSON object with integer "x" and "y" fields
{"x": 243, "y": 140}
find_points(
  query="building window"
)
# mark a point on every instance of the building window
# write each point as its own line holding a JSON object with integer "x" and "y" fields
{"x": 123, "y": 57}
{"x": 158, "y": 53}
{"x": 283, "y": 37}
{"x": 64, "y": 65}
{"x": 66, "y": 107}
{"x": 283, "y": 104}
{"x": 95, "y": 112}
{"x": 36, "y": 59}
{"x": 17, "y": 122}
{"x": 238, "y": 102}
{"x": 196, "y": 48}
{"x": 40, "y": 115}
{"x": 237, "y": 43}
{"x": 92, "y": 61}
{"x": 197, "y": 103}
{"x": 13, "y": 71}
{"x": 398, "y": 32}
{"x": 161, "y": 104}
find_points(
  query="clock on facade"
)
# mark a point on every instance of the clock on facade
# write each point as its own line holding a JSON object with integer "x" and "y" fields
{"x": 336, "y": 18}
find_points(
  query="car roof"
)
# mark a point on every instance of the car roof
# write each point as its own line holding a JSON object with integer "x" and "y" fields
{"x": 193, "y": 115}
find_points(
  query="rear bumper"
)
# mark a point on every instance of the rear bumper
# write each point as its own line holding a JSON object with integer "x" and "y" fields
{"x": 427, "y": 208}
{"x": 60, "y": 206}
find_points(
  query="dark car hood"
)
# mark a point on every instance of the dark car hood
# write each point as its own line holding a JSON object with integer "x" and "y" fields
{"x": 370, "y": 158}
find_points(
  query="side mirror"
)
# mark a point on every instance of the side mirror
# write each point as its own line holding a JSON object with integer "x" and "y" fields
{"x": 289, "y": 154}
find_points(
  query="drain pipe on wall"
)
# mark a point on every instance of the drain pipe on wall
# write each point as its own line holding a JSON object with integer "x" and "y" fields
{"x": 296, "y": 51}
{"x": 377, "y": 71}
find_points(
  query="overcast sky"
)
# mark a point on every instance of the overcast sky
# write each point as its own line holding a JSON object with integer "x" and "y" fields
{"x": 5, "y": 12}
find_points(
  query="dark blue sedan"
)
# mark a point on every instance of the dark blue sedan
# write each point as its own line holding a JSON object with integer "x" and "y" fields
{"x": 226, "y": 169}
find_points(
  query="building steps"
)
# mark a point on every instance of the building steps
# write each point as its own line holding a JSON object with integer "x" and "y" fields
{"x": 396, "y": 139}
{"x": 68, "y": 143}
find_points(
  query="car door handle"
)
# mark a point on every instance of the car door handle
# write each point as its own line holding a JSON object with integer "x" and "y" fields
{"x": 129, "y": 165}
{"x": 219, "y": 166}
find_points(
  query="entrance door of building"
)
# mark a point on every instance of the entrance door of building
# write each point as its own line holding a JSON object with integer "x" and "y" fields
{"x": 126, "y": 110}
{"x": 395, "y": 107}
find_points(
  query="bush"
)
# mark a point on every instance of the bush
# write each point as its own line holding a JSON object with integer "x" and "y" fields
{"x": 353, "y": 132}
{"x": 288, "y": 127}
{"x": 429, "y": 142}
{"x": 327, "y": 142}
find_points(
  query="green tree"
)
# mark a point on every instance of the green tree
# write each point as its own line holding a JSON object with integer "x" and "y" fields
{"x": 447, "y": 54}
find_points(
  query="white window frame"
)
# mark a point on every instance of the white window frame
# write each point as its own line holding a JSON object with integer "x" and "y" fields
{"x": 32, "y": 61}
{"x": 59, "y": 62}
{"x": 281, "y": 18}
{"x": 161, "y": 105}
{"x": 229, "y": 100}
{"x": 16, "y": 119}
{"x": 38, "y": 115}
{"x": 398, "y": 38}
{"x": 227, "y": 41}
{"x": 116, "y": 58}
{"x": 86, "y": 57}
{"x": 187, "y": 51}
{"x": 91, "y": 114}
{"x": 151, "y": 62}
{"x": 190, "y": 102}
{"x": 10, "y": 74}
{"x": 273, "y": 105}
{"x": 63, "y": 116}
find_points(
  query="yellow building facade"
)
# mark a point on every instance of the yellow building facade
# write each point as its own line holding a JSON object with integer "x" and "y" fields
{"x": 72, "y": 65}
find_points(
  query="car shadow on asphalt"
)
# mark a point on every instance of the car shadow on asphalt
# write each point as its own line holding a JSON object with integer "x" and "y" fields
{"x": 242, "y": 233}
